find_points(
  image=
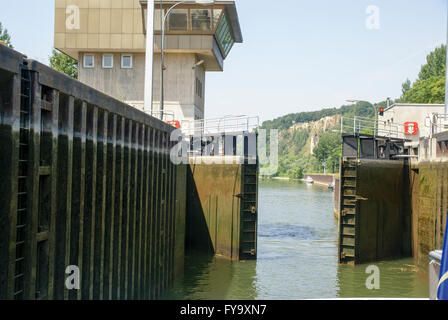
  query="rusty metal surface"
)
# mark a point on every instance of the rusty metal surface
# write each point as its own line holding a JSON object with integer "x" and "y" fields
{"x": 85, "y": 180}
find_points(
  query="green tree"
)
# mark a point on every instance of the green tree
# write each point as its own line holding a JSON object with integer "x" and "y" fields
{"x": 431, "y": 90}
{"x": 329, "y": 149}
{"x": 406, "y": 87}
{"x": 298, "y": 174}
{"x": 64, "y": 63}
{"x": 5, "y": 37}
{"x": 435, "y": 64}
{"x": 430, "y": 85}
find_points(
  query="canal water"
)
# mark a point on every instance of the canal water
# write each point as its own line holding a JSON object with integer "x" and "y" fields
{"x": 297, "y": 257}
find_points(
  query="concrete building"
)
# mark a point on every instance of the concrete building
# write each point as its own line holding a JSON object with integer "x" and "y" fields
{"x": 430, "y": 139}
{"x": 107, "y": 37}
{"x": 400, "y": 116}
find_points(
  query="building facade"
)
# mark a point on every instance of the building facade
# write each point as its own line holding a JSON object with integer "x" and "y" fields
{"x": 107, "y": 37}
{"x": 397, "y": 116}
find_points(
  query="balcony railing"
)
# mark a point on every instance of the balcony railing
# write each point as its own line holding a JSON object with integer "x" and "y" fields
{"x": 436, "y": 123}
{"x": 223, "y": 125}
{"x": 366, "y": 126}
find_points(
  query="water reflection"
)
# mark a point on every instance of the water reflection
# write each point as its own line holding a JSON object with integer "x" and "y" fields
{"x": 398, "y": 279}
{"x": 297, "y": 257}
{"x": 214, "y": 278}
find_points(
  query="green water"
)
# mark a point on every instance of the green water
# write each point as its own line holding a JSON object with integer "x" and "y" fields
{"x": 297, "y": 257}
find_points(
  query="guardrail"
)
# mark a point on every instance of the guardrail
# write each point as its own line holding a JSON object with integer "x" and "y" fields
{"x": 361, "y": 125}
{"x": 436, "y": 123}
{"x": 86, "y": 181}
{"x": 222, "y": 125}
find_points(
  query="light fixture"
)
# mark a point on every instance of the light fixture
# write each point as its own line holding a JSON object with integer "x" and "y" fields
{"x": 197, "y": 64}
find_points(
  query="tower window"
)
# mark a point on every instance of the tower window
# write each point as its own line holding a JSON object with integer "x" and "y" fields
{"x": 126, "y": 61}
{"x": 201, "y": 20}
{"x": 89, "y": 61}
{"x": 108, "y": 61}
{"x": 178, "y": 20}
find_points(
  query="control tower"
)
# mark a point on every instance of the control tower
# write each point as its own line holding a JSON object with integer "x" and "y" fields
{"x": 107, "y": 38}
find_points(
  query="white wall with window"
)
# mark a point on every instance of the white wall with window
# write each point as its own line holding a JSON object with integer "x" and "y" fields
{"x": 108, "y": 61}
{"x": 126, "y": 61}
{"x": 88, "y": 61}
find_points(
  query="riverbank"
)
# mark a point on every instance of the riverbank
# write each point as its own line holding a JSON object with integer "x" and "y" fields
{"x": 320, "y": 179}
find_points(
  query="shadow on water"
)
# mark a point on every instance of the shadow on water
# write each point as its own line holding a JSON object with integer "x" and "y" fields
{"x": 209, "y": 277}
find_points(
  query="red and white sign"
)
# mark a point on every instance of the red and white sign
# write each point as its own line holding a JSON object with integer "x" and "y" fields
{"x": 174, "y": 123}
{"x": 411, "y": 128}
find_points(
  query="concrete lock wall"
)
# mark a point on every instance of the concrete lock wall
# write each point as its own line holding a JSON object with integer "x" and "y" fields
{"x": 85, "y": 181}
{"x": 375, "y": 205}
{"x": 222, "y": 210}
{"x": 429, "y": 185}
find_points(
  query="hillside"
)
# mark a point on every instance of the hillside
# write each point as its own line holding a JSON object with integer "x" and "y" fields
{"x": 308, "y": 139}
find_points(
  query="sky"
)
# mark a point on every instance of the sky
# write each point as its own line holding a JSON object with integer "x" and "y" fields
{"x": 297, "y": 55}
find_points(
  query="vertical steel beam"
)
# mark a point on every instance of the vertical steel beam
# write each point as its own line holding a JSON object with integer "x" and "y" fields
{"x": 140, "y": 212}
{"x": 91, "y": 184}
{"x": 33, "y": 190}
{"x": 69, "y": 130}
{"x": 9, "y": 161}
{"x": 126, "y": 209}
{"x": 110, "y": 205}
{"x": 146, "y": 201}
{"x": 119, "y": 153}
{"x": 151, "y": 214}
{"x": 101, "y": 204}
{"x": 54, "y": 187}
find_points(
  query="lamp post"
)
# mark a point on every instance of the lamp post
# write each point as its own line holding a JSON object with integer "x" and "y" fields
{"x": 149, "y": 63}
{"x": 376, "y": 113}
{"x": 165, "y": 17}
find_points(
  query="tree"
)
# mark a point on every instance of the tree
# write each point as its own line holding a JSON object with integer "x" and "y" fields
{"x": 5, "y": 37}
{"x": 435, "y": 64}
{"x": 329, "y": 149}
{"x": 406, "y": 87}
{"x": 64, "y": 63}
{"x": 298, "y": 174}
{"x": 431, "y": 90}
{"x": 430, "y": 85}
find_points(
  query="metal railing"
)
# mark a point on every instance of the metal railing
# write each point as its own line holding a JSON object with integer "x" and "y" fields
{"x": 360, "y": 125}
{"x": 436, "y": 123}
{"x": 220, "y": 125}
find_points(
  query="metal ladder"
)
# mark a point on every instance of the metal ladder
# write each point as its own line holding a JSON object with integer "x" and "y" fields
{"x": 347, "y": 236}
{"x": 25, "y": 110}
{"x": 249, "y": 213}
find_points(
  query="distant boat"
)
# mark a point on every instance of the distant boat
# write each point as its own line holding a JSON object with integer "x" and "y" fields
{"x": 309, "y": 180}
{"x": 331, "y": 186}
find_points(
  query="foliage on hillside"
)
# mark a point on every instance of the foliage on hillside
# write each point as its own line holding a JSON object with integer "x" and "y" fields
{"x": 429, "y": 87}
{"x": 294, "y": 145}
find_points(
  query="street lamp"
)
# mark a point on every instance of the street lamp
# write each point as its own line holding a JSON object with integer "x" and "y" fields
{"x": 162, "y": 85}
{"x": 376, "y": 112}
